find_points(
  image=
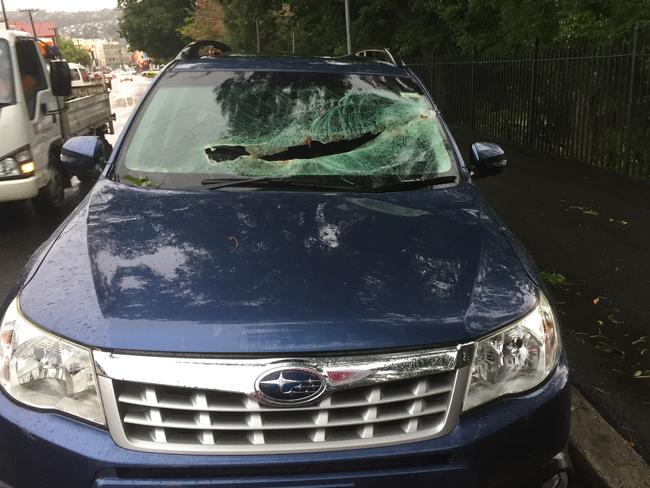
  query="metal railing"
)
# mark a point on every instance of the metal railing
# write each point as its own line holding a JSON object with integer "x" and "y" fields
{"x": 589, "y": 104}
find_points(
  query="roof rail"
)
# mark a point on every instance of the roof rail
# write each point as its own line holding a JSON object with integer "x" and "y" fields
{"x": 191, "y": 51}
{"x": 383, "y": 54}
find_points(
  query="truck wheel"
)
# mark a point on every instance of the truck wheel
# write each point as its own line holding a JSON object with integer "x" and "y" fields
{"x": 51, "y": 196}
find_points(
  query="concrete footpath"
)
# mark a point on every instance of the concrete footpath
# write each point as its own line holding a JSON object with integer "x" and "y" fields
{"x": 589, "y": 232}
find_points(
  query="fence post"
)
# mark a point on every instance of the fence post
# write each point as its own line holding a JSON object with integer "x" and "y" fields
{"x": 627, "y": 154}
{"x": 471, "y": 90}
{"x": 531, "y": 96}
{"x": 630, "y": 92}
{"x": 431, "y": 74}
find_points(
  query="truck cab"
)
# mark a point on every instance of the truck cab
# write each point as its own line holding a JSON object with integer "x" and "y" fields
{"x": 34, "y": 124}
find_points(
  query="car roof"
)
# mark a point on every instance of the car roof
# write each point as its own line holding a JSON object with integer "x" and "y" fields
{"x": 346, "y": 64}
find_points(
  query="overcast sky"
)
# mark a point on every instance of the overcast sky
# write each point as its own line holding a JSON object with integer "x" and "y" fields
{"x": 58, "y": 5}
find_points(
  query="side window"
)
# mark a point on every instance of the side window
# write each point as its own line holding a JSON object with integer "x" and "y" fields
{"x": 32, "y": 77}
{"x": 74, "y": 74}
{"x": 84, "y": 75}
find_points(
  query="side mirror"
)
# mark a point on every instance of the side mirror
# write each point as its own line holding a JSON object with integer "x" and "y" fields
{"x": 487, "y": 159}
{"x": 84, "y": 155}
{"x": 60, "y": 78}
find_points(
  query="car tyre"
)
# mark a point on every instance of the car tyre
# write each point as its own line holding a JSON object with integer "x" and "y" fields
{"x": 51, "y": 196}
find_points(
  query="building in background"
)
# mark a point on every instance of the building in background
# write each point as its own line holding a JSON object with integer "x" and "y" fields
{"x": 116, "y": 54}
{"x": 96, "y": 49}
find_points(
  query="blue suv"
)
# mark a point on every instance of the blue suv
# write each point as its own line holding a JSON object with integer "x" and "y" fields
{"x": 283, "y": 277}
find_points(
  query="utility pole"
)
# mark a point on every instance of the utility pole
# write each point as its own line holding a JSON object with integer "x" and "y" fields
{"x": 257, "y": 33}
{"x": 293, "y": 40}
{"x": 31, "y": 19}
{"x": 347, "y": 26}
{"x": 57, "y": 41}
{"x": 4, "y": 14}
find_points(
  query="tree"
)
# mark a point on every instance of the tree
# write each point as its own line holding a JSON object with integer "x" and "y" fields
{"x": 417, "y": 26}
{"x": 206, "y": 22}
{"x": 154, "y": 26}
{"x": 244, "y": 18}
{"x": 74, "y": 53}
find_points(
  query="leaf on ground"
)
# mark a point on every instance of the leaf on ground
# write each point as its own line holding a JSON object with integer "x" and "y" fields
{"x": 607, "y": 347}
{"x": 624, "y": 222}
{"x": 600, "y": 322}
{"x": 596, "y": 300}
{"x": 601, "y": 390}
{"x": 644, "y": 350}
{"x": 638, "y": 373}
{"x": 640, "y": 340}
{"x": 602, "y": 347}
{"x": 554, "y": 278}
{"x": 590, "y": 212}
{"x": 611, "y": 318}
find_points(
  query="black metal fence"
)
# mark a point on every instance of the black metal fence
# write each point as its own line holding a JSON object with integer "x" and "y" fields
{"x": 589, "y": 104}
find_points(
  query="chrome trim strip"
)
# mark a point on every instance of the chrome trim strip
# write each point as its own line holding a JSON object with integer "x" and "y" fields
{"x": 239, "y": 375}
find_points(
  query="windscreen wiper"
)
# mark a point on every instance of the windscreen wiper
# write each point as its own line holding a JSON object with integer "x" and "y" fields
{"x": 267, "y": 181}
{"x": 413, "y": 183}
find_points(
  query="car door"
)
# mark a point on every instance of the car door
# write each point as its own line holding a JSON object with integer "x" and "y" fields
{"x": 38, "y": 102}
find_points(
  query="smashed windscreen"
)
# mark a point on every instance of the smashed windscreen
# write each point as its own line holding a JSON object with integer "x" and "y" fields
{"x": 282, "y": 124}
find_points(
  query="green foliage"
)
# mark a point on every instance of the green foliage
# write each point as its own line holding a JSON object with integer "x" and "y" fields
{"x": 154, "y": 26}
{"x": 417, "y": 26}
{"x": 600, "y": 20}
{"x": 553, "y": 278}
{"x": 73, "y": 53}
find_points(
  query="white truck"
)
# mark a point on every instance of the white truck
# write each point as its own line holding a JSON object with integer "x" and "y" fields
{"x": 38, "y": 113}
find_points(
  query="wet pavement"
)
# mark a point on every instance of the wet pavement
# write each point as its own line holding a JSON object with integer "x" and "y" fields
{"x": 589, "y": 232}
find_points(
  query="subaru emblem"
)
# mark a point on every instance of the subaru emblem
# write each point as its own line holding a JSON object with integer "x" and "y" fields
{"x": 290, "y": 386}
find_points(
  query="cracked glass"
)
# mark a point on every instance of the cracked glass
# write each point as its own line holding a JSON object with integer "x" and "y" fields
{"x": 285, "y": 124}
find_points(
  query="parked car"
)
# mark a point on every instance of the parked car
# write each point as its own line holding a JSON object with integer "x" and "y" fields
{"x": 108, "y": 73}
{"x": 98, "y": 76}
{"x": 124, "y": 76}
{"x": 284, "y": 276}
{"x": 150, "y": 73}
{"x": 79, "y": 75}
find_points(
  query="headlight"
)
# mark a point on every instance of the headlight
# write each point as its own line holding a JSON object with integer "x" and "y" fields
{"x": 20, "y": 163}
{"x": 515, "y": 359}
{"x": 45, "y": 371}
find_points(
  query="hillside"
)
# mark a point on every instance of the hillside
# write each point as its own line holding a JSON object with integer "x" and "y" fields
{"x": 99, "y": 24}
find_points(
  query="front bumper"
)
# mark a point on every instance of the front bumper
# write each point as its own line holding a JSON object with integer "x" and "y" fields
{"x": 514, "y": 442}
{"x": 18, "y": 189}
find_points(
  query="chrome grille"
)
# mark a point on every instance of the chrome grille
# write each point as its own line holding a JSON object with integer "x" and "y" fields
{"x": 187, "y": 416}
{"x": 380, "y": 407}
